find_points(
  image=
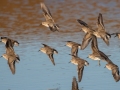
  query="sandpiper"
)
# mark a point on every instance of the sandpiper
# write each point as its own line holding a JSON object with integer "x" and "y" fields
{"x": 101, "y": 32}
{"x": 114, "y": 68}
{"x": 49, "y": 19}
{"x": 11, "y": 61}
{"x": 49, "y": 51}
{"x": 89, "y": 34}
{"x": 96, "y": 53}
{"x": 80, "y": 65}
{"x": 74, "y": 46}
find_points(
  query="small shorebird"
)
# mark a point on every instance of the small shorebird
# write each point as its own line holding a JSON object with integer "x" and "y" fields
{"x": 49, "y": 51}
{"x": 74, "y": 46}
{"x": 116, "y": 35}
{"x": 114, "y": 68}
{"x": 74, "y": 84}
{"x": 49, "y": 19}
{"x": 11, "y": 61}
{"x": 101, "y": 32}
{"x": 96, "y": 53}
{"x": 89, "y": 34}
{"x": 80, "y": 65}
{"x": 11, "y": 57}
{"x": 11, "y": 41}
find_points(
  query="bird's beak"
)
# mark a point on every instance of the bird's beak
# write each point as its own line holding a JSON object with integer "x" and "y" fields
{"x": 86, "y": 65}
{"x": 69, "y": 62}
{"x": 108, "y": 55}
{"x": 1, "y": 56}
{"x": 40, "y": 24}
{"x": 87, "y": 57}
{"x": 38, "y": 50}
{"x": 115, "y": 36}
{"x": 105, "y": 67}
{"x": 70, "y": 54}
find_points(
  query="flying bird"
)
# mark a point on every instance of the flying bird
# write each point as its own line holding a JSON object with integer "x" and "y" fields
{"x": 101, "y": 31}
{"x": 80, "y": 65}
{"x": 49, "y": 19}
{"x": 88, "y": 34}
{"x": 74, "y": 47}
{"x": 96, "y": 53}
{"x": 49, "y": 51}
{"x": 114, "y": 68}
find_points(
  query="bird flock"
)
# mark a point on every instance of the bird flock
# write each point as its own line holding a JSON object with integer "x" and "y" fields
{"x": 90, "y": 36}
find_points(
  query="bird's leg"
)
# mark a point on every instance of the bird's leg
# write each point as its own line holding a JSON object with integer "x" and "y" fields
{"x": 99, "y": 63}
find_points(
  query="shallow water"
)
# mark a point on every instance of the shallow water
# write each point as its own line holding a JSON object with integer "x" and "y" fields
{"x": 20, "y": 19}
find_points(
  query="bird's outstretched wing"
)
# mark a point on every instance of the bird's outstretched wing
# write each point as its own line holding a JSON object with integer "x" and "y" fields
{"x": 75, "y": 84}
{"x": 87, "y": 38}
{"x": 100, "y": 23}
{"x": 74, "y": 50}
{"x": 115, "y": 73}
{"x": 80, "y": 72}
{"x": 46, "y": 12}
{"x": 11, "y": 64}
{"x": 51, "y": 58}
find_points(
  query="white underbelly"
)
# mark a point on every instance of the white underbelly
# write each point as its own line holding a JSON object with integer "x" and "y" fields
{"x": 75, "y": 63}
{"x": 109, "y": 68}
{"x": 95, "y": 58}
{"x": 45, "y": 24}
{"x": 69, "y": 45}
{"x": 43, "y": 50}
